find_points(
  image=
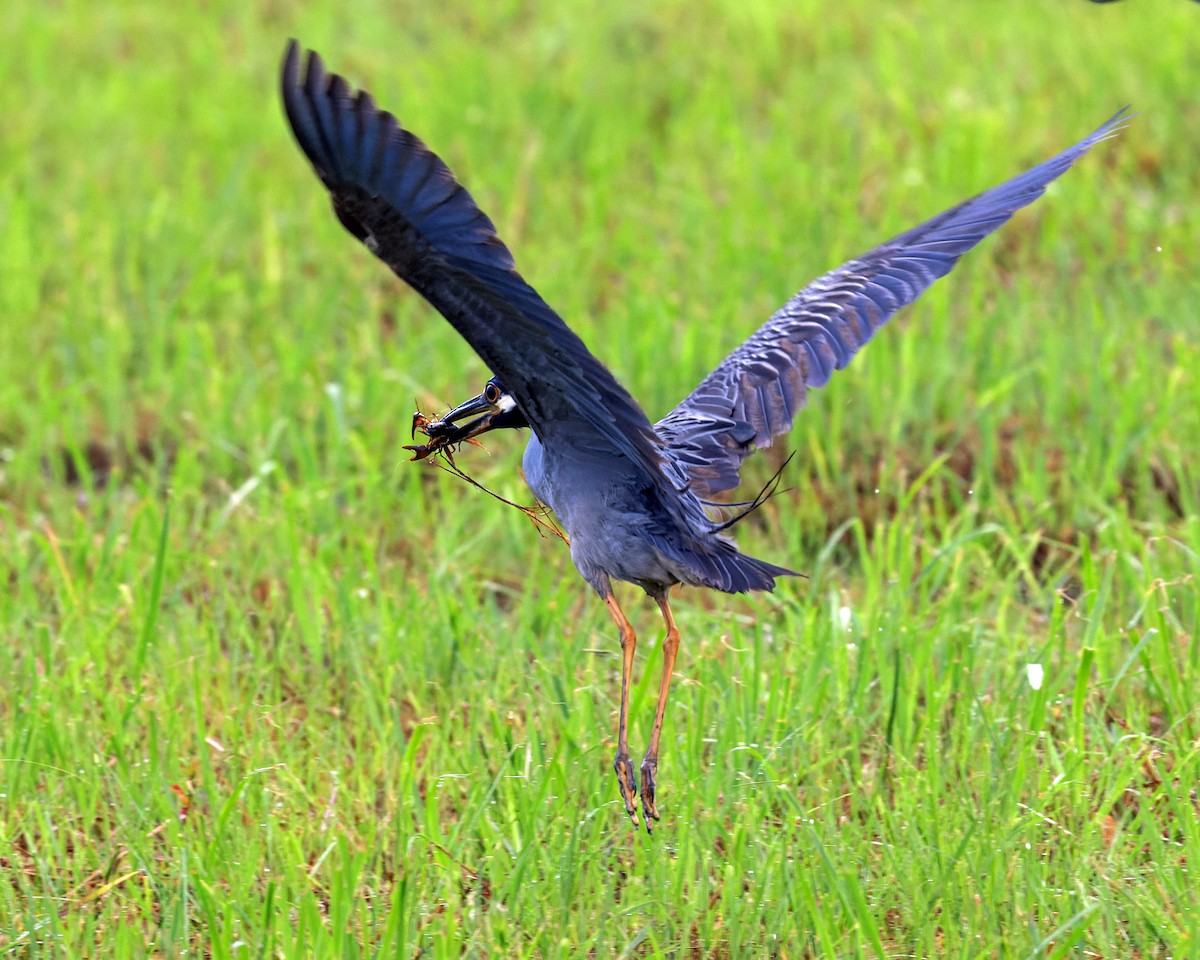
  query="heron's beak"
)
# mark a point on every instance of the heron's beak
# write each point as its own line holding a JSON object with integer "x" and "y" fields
{"x": 444, "y": 428}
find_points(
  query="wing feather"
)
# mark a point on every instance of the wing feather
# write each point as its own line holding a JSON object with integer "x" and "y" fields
{"x": 755, "y": 393}
{"x": 393, "y": 193}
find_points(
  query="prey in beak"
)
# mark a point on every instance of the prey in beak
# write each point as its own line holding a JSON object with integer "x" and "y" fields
{"x": 493, "y": 409}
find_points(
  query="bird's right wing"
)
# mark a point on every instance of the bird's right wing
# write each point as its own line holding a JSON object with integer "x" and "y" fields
{"x": 757, "y": 390}
{"x": 396, "y": 196}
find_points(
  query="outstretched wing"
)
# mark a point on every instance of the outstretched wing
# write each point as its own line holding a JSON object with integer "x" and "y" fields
{"x": 394, "y": 194}
{"x": 758, "y": 389}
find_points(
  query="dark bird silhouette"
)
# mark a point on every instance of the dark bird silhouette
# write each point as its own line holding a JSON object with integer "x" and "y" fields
{"x": 635, "y": 497}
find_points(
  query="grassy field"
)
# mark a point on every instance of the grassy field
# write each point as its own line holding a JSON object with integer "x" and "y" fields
{"x": 271, "y": 691}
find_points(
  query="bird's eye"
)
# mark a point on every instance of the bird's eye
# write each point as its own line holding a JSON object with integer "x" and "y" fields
{"x": 491, "y": 393}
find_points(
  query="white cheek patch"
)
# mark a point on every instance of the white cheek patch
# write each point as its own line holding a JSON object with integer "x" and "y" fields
{"x": 506, "y": 403}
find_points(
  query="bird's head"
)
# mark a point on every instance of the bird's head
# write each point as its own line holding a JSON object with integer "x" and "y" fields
{"x": 494, "y": 409}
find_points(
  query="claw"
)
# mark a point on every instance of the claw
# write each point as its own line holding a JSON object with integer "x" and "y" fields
{"x": 438, "y": 443}
{"x": 419, "y": 422}
{"x": 649, "y": 808}
{"x": 627, "y": 781}
{"x": 419, "y": 451}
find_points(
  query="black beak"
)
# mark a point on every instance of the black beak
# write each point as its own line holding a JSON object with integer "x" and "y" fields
{"x": 444, "y": 428}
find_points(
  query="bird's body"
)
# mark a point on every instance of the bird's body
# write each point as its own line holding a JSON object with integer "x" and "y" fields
{"x": 619, "y": 528}
{"x": 635, "y": 497}
{"x": 588, "y": 495}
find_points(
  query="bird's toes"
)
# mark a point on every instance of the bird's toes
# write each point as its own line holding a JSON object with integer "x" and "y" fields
{"x": 627, "y": 781}
{"x": 649, "y": 807}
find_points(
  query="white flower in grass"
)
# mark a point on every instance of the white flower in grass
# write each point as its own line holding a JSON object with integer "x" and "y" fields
{"x": 1034, "y": 674}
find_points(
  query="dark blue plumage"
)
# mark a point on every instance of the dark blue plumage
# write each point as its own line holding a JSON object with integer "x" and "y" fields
{"x": 754, "y": 394}
{"x": 632, "y": 496}
{"x": 397, "y": 196}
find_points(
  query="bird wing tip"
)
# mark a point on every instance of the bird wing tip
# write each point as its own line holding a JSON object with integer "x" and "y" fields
{"x": 1114, "y": 124}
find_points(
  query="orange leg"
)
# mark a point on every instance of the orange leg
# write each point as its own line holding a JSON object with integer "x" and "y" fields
{"x": 626, "y": 778}
{"x": 650, "y": 762}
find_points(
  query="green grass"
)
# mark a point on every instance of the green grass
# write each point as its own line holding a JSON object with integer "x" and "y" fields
{"x": 270, "y": 691}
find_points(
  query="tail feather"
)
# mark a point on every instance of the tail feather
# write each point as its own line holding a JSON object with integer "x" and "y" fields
{"x": 729, "y": 571}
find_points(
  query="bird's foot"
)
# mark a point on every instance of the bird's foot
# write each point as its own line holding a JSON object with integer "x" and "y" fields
{"x": 627, "y": 781}
{"x": 649, "y": 808}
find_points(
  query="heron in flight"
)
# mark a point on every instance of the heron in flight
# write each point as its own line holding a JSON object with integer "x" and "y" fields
{"x": 637, "y": 499}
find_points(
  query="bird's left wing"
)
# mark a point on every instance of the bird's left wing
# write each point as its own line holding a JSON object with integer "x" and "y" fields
{"x": 757, "y": 390}
{"x": 396, "y": 196}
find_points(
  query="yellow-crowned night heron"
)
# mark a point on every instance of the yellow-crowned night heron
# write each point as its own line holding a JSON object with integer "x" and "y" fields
{"x": 634, "y": 496}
